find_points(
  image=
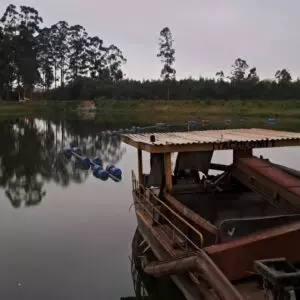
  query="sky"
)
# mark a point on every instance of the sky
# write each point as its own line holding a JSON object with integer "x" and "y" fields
{"x": 208, "y": 34}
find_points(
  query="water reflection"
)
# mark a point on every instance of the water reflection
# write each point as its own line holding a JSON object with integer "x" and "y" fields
{"x": 30, "y": 156}
{"x": 145, "y": 286}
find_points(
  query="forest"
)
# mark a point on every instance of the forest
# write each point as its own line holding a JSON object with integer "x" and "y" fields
{"x": 63, "y": 62}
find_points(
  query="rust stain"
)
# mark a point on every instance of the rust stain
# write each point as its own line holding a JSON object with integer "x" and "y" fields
{"x": 236, "y": 258}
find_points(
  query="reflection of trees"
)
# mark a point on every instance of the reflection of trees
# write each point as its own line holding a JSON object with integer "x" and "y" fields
{"x": 30, "y": 156}
{"x": 29, "y": 192}
{"x": 86, "y": 134}
{"x": 108, "y": 148}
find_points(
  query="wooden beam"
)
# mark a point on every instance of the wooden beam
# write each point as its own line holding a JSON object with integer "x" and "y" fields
{"x": 127, "y": 140}
{"x": 140, "y": 166}
{"x": 168, "y": 171}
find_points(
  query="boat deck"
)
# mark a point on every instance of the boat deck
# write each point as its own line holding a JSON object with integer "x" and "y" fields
{"x": 217, "y": 229}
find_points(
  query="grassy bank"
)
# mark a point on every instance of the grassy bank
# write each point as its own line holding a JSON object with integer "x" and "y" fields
{"x": 149, "y": 112}
{"x": 183, "y": 110}
{"x": 37, "y": 108}
{"x": 252, "y": 113}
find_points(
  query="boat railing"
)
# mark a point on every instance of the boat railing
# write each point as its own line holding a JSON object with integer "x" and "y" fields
{"x": 183, "y": 234}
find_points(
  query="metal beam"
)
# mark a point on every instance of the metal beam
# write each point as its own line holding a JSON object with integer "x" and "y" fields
{"x": 201, "y": 264}
{"x": 140, "y": 166}
{"x": 168, "y": 171}
{"x": 219, "y": 167}
{"x": 277, "y": 186}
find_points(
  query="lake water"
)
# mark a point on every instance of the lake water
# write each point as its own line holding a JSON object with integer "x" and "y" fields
{"x": 65, "y": 234}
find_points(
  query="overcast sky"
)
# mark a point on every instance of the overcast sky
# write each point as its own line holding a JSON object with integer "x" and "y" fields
{"x": 209, "y": 34}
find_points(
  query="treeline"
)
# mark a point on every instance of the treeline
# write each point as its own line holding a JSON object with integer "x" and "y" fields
{"x": 50, "y": 57}
{"x": 186, "y": 89}
{"x": 62, "y": 62}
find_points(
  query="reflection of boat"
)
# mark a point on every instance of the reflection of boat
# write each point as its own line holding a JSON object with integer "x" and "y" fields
{"x": 86, "y": 115}
{"x": 226, "y": 236}
{"x": 145, "y": 286}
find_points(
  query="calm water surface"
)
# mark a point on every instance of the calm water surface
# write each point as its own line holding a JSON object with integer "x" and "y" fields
{"x": 65, "y": 234}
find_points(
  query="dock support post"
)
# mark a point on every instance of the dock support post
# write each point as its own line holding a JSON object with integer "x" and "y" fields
{"x": 140, "y": 166}
{"x": 168, "y": 171}
{"x": 241, "y": 154}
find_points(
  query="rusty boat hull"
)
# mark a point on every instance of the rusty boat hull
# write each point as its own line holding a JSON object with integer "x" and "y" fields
{"x": 232, "y": 235}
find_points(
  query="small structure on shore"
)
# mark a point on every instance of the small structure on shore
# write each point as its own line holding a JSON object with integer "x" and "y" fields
{"x": 24, "y": 100}
{"x": 86, "y": 110}
{"x": 87, "y": 105}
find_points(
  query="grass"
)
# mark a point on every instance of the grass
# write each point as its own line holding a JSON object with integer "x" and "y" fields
{"x": 173, "y": 112}
{"x": 37, "y": 108}
{"x": 182, "y": 111}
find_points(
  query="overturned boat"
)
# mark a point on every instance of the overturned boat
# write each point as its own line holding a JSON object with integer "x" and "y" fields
{"x": 231, "y": 235}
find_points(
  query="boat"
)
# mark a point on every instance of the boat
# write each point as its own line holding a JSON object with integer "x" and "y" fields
{"x": 218, "y": 231}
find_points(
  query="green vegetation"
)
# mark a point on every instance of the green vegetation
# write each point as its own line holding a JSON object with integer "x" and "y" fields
{"x": 253, "y": 113}
{"x": 176, "y": 112}
{"x": 37, "y": 109}
{"x": 62, "y": 62}
{"x": 34, "y": 56}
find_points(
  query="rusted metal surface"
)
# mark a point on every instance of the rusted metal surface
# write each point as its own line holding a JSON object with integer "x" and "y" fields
{"x": 162, "y": 240}
{"x": 168, "y": 171}
{"x": 279, "y": 187}
{"x": 209, "y": 231}
{"x": 162, "y": 249}
{"x": 235, "y": 259}
{"x": 268, "y": 170}
{"x": 177, "y": 224}
{"x": 251, "y": 290}
{"x": 151, "y": 206}
{"x": 212, "y": 140}
{"x": 204, "y": 266}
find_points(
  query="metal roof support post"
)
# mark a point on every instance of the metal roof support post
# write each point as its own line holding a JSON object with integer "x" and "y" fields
{"x": 140, "y": 166}
{"x": 241, "y": 153}
{"x": 168, "y": 171}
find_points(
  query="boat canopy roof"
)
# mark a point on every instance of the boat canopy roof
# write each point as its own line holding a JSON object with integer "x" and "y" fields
{"x": 210, "y": 140}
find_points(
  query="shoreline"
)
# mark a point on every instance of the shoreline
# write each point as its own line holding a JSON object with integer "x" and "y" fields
{"x": 285, "y": 113}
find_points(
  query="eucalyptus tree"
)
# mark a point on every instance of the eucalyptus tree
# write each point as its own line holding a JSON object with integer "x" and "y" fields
{"x": 78, "y": 56}
{"x": 114, "y": 60}
{"x": 46, "y": 58}
{"x": 21, "y": 26}
{"x": 252, "y": 76}
{"x": 239, "y": 69}
{"x": 283, "y": 76}
{"x": 8, "y": 68}
{"x": 95, "y": 56}
{"x": 27, "y": 47}
{"x": 167, "y": 56}
{"x": 60, "y": 43}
